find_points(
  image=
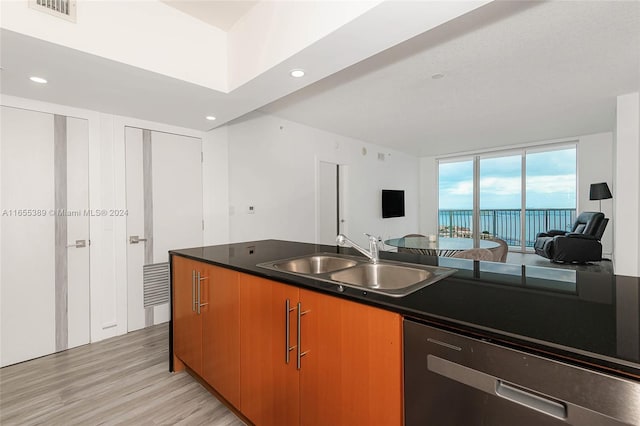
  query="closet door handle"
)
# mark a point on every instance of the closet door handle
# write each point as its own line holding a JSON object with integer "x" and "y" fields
{"x": 134, "y": 239}
{"x": 78, "y": 244}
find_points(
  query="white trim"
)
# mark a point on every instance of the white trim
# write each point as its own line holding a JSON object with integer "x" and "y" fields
{"x": 34, "y": 105}
{"x": 508, "y": 148}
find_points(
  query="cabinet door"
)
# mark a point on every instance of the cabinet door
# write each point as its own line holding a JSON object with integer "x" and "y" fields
{"x": 352, "y": 373}
{"x": 187, "y": 324}
{"x": 269, "y": 386}
{"x": 221, "y": 332}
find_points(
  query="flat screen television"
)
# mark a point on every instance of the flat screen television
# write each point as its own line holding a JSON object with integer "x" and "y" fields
{"x": 392, "y": 203}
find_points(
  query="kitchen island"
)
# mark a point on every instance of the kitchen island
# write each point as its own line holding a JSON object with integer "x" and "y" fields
{"x": 586, "y": 319}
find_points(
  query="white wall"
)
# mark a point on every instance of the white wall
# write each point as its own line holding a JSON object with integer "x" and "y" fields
{"x": 215, "y": 186}
{"x": 626, "y": 191}
{"x": 273, "y": 167}
{"x": 108, "y": 235}
{"x": 272, "y": 31}
{"x": 428, "y": 196}
{"x": 595, "y": 164}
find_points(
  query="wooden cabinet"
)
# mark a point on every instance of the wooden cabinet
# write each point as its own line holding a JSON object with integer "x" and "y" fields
{"x": 269, "y": 385}
{"x": 187, "y": 323}
{"x": 221, "y": 333}
{"x": 352, "y": 372}
{"x": 206, "y": 334}
{"x": 350, "y": 368}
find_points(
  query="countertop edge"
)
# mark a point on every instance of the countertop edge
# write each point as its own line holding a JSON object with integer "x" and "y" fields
{"x": 570, "y": 355}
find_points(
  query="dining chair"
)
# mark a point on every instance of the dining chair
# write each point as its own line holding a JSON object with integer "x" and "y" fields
{"x": 500, "y": 252}
{"x": 475, "y": 254}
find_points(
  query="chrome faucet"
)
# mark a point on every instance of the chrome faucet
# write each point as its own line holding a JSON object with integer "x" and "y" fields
{"x": 372, "y": 253}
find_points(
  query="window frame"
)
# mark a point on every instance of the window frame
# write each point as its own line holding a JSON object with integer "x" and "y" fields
{"x": 522, "y": 151}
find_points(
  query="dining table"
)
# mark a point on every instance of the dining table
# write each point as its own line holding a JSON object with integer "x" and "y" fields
{"x": 440, "y": 246}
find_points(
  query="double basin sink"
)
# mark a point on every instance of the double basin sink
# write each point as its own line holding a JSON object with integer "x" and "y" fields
{"x": 391, "y": 278}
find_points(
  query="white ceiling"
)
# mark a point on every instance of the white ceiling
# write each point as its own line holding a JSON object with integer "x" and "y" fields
{"x": 219, "y": 13}
{"x": 513, "y": 73}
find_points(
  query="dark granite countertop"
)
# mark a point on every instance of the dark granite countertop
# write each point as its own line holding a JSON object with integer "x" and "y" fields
{"x": 586, "y": 318}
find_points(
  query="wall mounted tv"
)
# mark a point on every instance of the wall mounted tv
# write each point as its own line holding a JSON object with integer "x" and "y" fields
{"x": 392, "y": 203}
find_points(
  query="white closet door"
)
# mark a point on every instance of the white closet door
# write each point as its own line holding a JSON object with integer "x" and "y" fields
{"x": 166, "y": 169}
{"x": 78, "y": 230}
{"x": 44, "y": 285}
{"x": 327, "y": 203}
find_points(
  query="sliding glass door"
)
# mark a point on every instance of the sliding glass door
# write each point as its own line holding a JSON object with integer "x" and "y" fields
{"x": 455, "y": 200}
{"x": 501, "y": 198}
{"x": 510, "y": 195}
{"x": 551, "y": 191}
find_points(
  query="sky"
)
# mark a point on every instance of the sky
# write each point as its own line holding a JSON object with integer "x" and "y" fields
{"x": 550, "y": 182}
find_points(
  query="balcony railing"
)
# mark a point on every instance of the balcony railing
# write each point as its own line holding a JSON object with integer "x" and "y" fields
{"x": 505, "y": 223}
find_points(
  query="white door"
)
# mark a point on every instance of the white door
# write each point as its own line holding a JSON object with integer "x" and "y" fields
{"x": 164, "y": 203}
{"x": 44, "y": 233}
{"x": 332, "y": 202}
{"x": 327, "y": 203}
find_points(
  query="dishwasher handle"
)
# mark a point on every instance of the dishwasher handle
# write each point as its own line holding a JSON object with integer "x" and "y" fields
{"x": 531, "y": 400}
{"x": 494, "y": 386}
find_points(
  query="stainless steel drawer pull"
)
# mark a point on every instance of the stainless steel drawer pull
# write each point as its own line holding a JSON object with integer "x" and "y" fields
{"x": 193, "y": 290}
{"x": 531, "y": 400}
{"x": 198, "y": 279}
{"x": 287, "y": 331}
{"x": 299, "y": 353}
{"x": 200, "y": 304}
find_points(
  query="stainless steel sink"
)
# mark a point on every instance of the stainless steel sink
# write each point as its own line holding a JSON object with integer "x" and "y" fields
{"x": 381, "y": 276}
{"x": 316, "y": 264}
{"x": 390, "y": 278}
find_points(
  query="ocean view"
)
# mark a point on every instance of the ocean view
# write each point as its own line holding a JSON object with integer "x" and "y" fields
{"x": 505, "y": 223}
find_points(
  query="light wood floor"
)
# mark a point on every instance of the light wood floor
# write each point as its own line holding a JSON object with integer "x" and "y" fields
{"x": 124, "y": 380}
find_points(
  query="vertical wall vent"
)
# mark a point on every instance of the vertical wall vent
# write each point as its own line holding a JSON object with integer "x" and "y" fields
{"x": 65, "y": 9}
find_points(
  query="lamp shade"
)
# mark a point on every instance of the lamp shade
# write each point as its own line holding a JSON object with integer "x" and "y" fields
{"x": 599, "y": 191}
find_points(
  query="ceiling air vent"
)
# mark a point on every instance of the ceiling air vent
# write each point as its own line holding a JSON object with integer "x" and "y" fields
{"x": 65, "y": 9}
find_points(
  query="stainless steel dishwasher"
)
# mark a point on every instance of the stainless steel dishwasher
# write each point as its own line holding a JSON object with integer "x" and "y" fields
{"x": 453, "y": 380}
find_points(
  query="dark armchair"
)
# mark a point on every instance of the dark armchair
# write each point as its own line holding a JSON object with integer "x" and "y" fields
{"x": 580, "y": 245}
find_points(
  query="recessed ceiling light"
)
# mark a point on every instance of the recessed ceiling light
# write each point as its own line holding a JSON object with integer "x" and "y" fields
{"x": 437, "y": 76}
{"x": 38, "y": 80}
{"x": 297, "y": 73}
{"x": 210, "y": 117}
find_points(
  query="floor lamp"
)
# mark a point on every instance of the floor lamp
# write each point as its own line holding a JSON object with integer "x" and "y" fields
{"x": 599, "y": 191}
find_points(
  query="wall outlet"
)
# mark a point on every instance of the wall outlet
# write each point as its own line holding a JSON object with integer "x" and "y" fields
{"x": 251, "y": 210}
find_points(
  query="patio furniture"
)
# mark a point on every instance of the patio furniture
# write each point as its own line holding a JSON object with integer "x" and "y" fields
{"x": 500, "y": 252}
{"x": 580, "y": 245}
{"x": 443, "y": 247}
{"x": 475, "y": 254}
{"x": 414, "y": 250}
